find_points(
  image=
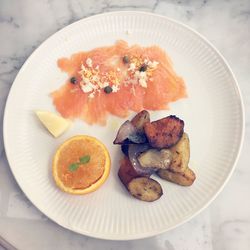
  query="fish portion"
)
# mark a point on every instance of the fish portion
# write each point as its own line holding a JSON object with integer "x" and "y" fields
{"x": 116, "y": 80}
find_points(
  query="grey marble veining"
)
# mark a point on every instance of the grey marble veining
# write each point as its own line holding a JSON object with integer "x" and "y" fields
{"x": 225, "y": 225}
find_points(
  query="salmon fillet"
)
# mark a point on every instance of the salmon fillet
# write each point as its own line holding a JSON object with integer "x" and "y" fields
{"x": 130, "y": 92}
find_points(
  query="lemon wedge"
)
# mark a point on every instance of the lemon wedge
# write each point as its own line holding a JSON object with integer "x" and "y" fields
{"x": 55, "y": 124}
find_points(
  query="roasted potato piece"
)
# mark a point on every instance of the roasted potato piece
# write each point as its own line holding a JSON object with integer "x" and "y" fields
{"x": 165, "y": 132}
{"x": 125, "y": 130}
{"x": 145, "y": 189}
{"x": 126, "y": 171}
{"x": 157, "y": 159}
{"x": 142, "y": 188}
{"x": 140, "y": 119}
{"x": 186, "y": 178}
{"x": 128, "y": 134}
{"x": 180, "y": 155}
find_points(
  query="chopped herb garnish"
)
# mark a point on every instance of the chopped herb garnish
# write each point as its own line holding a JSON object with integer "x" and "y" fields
{"x": 73, "y": 167}
{"x": 108, "y": 89}
{"x": 125, "y": 59}
{"x": 73, "y": 80}
{"x": 84, "y": 159}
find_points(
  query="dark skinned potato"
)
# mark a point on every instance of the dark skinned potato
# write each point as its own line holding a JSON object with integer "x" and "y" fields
{"x": 164, "y": 133}
{"x": 126, "y": 171}
{"x": 124, "y": 149}
{"x": 142, "y": 188}
{"x": 186, "y": 178}
{"x": 140, "y": 119}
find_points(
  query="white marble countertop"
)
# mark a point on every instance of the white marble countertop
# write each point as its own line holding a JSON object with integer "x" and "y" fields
{"x": 225, "y": 224}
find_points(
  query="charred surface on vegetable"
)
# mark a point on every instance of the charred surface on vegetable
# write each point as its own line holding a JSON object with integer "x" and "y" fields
{"x": 165, "y": 132}
{"x": 185, "y": 178}
{"x": 145, "y": 189}
{"x": 180, "y": 154}
{"x": 142, "y": 188}
{"x": 140, "y": 119}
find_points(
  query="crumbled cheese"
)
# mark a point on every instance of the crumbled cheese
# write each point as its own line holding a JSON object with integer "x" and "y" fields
{"x": 87, "y": 82}
{"x": 143, "y": 74}
{"x": 89, "y": 62}
{"x": 142, "y": 78}
{"x": 137, "y": 74}
{"x": 115, "y": 88}
{"x": 131, "y": 67}
{"x": 95, "y": 78}
{"x": 153, "y": 64}
{"x": 86, "y": 88}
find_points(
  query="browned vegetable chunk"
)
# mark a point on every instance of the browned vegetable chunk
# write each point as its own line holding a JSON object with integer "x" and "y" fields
{"x": 180, "y": 154}
{"x": 165, "y": 132}
{"x": 140, "y": 119}
{"x": 156, "y": 159}
{"x": 126, "y": 171}
{"x": 186, "y": 178}
{"x": 145, "y": 189}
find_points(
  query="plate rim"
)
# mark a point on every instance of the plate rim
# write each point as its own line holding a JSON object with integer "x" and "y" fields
{"x": 121, "y": 237}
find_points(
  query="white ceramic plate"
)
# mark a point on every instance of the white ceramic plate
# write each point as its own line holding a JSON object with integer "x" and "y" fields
{"x": 213, "y": 114}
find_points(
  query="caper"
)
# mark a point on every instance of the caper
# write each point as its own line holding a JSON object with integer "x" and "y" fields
{"x": 108, "y": 89}
{"x": 143, "y": 67}
{"x": 125, "y": 59}
{"x": 73, "y": 80}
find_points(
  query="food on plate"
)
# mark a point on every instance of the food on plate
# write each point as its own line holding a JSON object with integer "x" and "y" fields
{"x": 178, "y": 171}
{"x": 126, "y": 171}
{"x": 145, "y": 189}
{"x": 140, "y": 119}
{"x": 165, "y": 132}
{"x": 180, "y": 154}
{"x": 185, "y": 178}
{"x": 128, "y": 133}
{"x": 81, "y": 165}
{"x": 124, "y": 149}
{"x": 141, "y": 187}
{"x": 54, "y": 123}
{"x": 166, "y": 152}
{"x": 134, "y": 150}
{"x": 154, "y": 158}
{"x": 116, "y": 80}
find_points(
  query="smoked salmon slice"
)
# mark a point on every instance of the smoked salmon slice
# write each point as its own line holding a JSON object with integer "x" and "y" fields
{"x": 116, "y": 80}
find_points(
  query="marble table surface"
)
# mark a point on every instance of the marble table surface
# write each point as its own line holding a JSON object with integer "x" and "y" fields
{"x": 225, "y": 224}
